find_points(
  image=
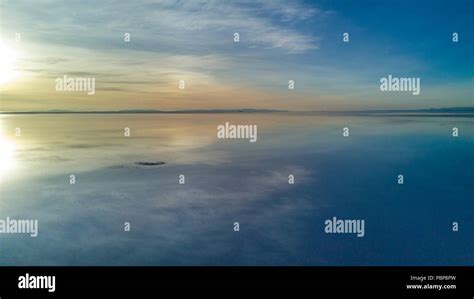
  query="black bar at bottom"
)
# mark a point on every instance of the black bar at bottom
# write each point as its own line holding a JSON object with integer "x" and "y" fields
{"x": 221, "y": 282}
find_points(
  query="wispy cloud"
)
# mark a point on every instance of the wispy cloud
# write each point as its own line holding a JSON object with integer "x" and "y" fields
{"x": 171, "y": 24}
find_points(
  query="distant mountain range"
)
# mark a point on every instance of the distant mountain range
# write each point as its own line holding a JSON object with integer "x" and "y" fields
{"x": 455, "y": 110}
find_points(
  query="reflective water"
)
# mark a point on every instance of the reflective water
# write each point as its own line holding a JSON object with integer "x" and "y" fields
{"x": 229, "y": 181}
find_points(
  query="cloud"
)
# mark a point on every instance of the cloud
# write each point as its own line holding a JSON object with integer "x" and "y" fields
{"x": 170, "y": 41}
{"x": 168, "y": 24}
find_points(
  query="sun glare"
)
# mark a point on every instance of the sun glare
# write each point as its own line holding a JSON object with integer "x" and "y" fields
{"x": 8, "y": 58}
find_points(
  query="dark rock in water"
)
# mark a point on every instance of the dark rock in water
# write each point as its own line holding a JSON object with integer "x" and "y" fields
{"x": 150, "y": 163}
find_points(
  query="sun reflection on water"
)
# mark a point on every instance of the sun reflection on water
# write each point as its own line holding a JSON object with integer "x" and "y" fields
{"x": 7, "y": 153}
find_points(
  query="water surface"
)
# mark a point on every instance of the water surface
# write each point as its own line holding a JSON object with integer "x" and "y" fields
{"x": 351, "y": 177}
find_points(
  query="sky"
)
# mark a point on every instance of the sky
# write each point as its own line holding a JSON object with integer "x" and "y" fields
{"x": 194, "y": 41}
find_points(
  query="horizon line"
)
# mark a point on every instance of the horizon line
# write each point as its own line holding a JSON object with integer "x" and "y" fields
{"x": 241, "y": 110}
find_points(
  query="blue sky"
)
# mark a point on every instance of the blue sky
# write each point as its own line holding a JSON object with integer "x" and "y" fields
{"x": 279, "y": 41}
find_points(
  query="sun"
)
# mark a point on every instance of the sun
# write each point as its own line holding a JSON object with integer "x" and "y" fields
{"x": 8, "y": 58}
